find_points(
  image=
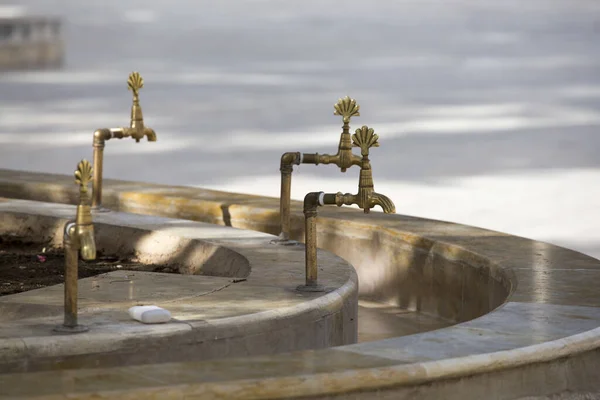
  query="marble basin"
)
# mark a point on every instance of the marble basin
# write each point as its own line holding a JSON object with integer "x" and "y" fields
{"x": 234, "y": 295}
{"x": 525, "y": 314}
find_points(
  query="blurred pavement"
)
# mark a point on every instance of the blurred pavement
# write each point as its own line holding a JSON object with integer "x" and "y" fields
{"x": 488, "y": 111}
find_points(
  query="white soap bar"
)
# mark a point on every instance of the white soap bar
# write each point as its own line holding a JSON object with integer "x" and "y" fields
{"x": 150, "y": 314}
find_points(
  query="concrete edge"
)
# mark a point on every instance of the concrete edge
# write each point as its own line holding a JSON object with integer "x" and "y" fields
{"x": 310, "y": 310}
{"x": 415, "y": 373}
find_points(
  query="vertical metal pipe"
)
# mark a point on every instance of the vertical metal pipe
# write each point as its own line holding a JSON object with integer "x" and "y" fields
{"x": 284, "y": 204}
{"x": 71, "y": 254}
{"x": 311, "y": 202}
{"x": 286, "y": 167}
{"x": 97, "y": 170}
{"x": 78, "y": 234}
{"x": 310, "y": 247}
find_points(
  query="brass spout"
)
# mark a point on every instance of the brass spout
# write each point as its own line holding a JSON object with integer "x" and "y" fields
{"x": 366, "y": 198}
{"x": 150, "y": 134}
{"x": 344, "y": 159}
{"x": 384, "y": 202}
{"x": 78, "y": 237}
{"x": 311, "y": 202}
{"x": 87, "y": 242}
{"x": 136, "y": 130}
{"x": 365, "y": 138}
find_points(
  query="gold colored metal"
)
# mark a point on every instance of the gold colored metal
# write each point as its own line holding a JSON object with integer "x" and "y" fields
{"x": 83, "y": 220}
{"x": 311, "y": 201}
{"x": 78, "y": 237}
{"x": 366, "y": 198}
{"x": 136, "y": 130}
{"x": 134, "y": 83}
{"x": 286, "y": 168}
{"x": 347, "y": 108}
{"x": 344, "y": 159}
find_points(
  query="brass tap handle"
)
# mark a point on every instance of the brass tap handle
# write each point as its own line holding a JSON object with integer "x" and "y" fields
{"x": 83, "y": 176}
{"x": 365, "y": 138}
{"x": 84, "y": 228}
{"x": 134, "y": 83}
{"x": 347, "y": 108}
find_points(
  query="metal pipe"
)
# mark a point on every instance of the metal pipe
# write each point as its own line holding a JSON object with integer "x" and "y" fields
{"x": 97, "y": 181}
{"x": 310, "y": 234}
{"x": 100, "y": 137}
{"x": 136, "y": 130}
{"x": 366, "y": 198}
{"x": 311, "y": 249}
{"x": 71, "y": 273}
{"x": 344, "y": 158}
{"x": 286, "y": 167}
{"x": 311, "y": 202}
{"x": 284, "y": 206}
{"x": 78, "y": 236}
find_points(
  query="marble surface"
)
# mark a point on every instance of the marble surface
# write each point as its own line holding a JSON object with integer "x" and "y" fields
{"x": 549, "y": 321}
{"x": 378, "y": 321}
{"x": 203, "y": 307}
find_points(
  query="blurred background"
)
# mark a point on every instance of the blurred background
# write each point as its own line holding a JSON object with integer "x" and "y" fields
{"x": 488, "y": 111}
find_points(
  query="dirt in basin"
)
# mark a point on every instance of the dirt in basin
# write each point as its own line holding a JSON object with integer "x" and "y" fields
{"x": 26, "y": 266}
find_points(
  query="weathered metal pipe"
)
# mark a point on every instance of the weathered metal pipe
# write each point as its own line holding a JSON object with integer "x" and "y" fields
{"x": 344, "y": 159}
{"x": 78, "y": 238}
{"x": 286, "y": 168}
{"x": 366, "y": 198}
{"x": 136, "y": 130}
{"x": 70, "y": 246}
{"x": 311, "y": 202}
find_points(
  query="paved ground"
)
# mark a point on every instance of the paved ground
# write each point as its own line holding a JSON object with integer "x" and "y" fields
{"x": 488, "y": 111}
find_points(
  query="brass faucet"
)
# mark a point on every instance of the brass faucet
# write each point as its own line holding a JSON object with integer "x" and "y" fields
{"x": 78, "y": 237}
{"x": 366, "y": 198}
{"x": 344, "y": 159}
{"x": 136, "y": 130}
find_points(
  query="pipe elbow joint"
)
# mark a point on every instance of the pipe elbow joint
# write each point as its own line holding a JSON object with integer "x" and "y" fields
{"x": 288, "y": 160}
{"x": 312, "y": 200}
{"x": 101, "y": 135}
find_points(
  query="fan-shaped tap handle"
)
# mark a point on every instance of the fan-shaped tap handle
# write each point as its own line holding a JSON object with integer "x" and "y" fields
{"x": 83, "y": 175}
{"x": 347, "y": 108}
{"x": 134, "y": 83}
{"x": 365, "y": 138}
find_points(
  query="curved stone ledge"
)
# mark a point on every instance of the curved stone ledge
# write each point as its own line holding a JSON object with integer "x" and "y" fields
{"x": 214, "y": 317}
{"x": 191, "y": 256}
{"x": 528, "y": 312}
